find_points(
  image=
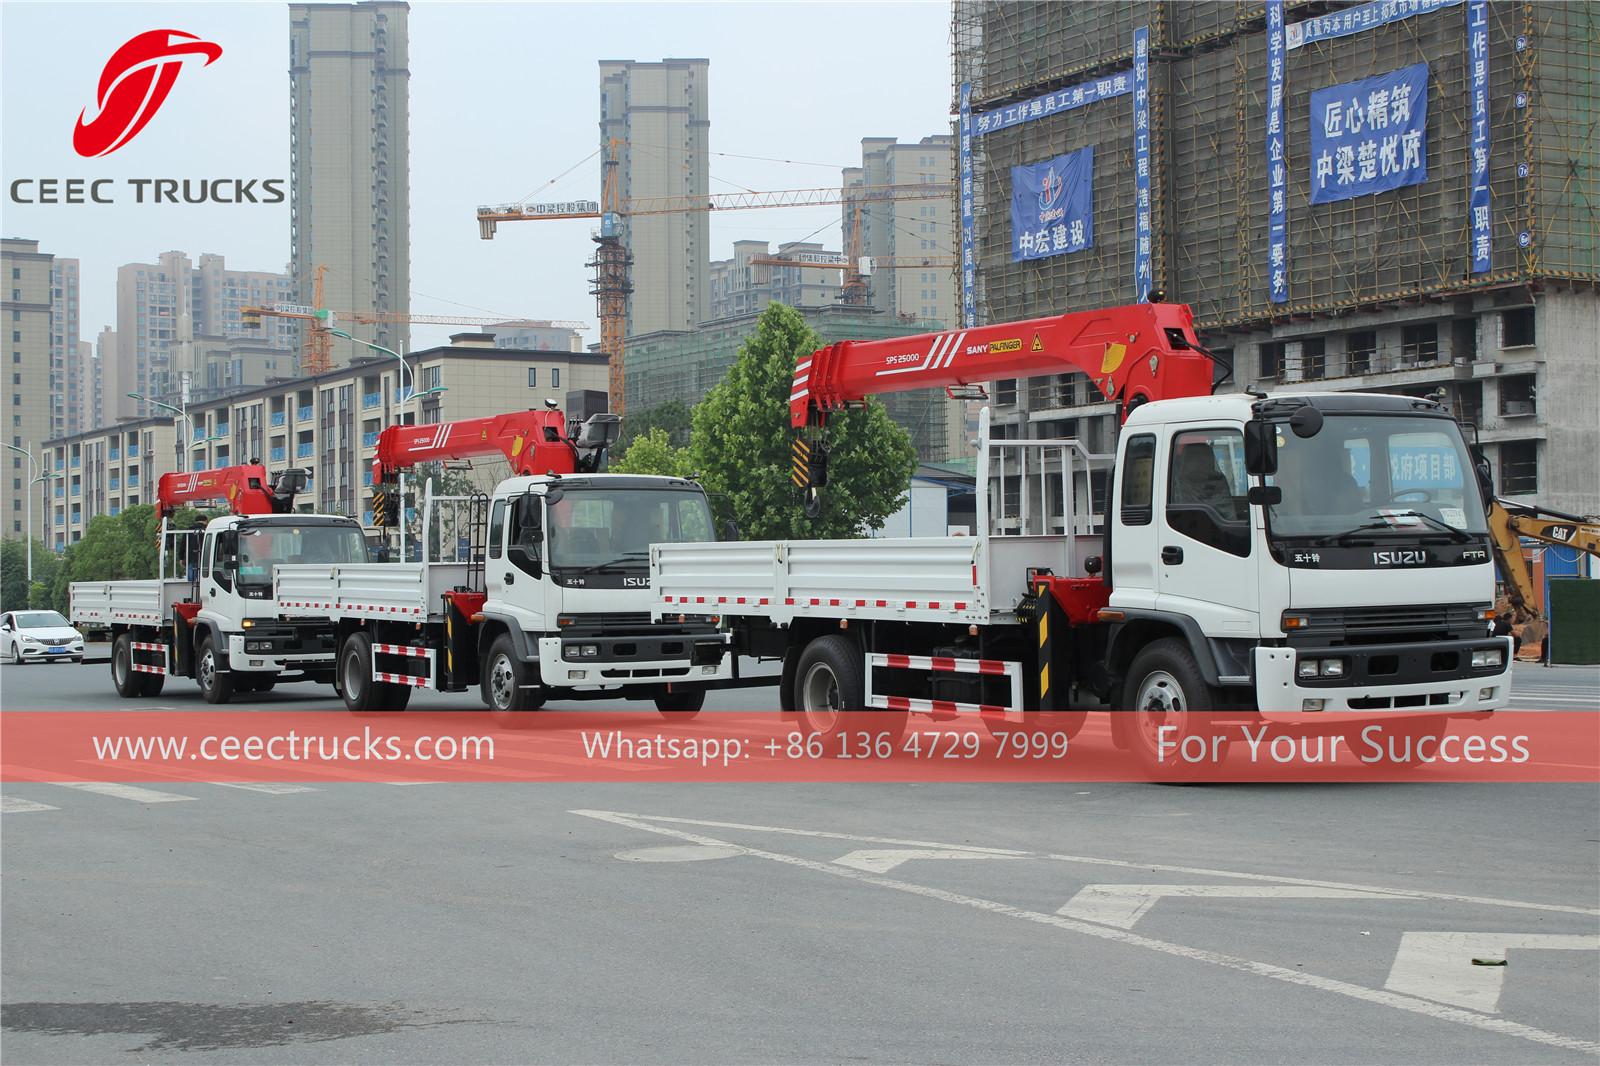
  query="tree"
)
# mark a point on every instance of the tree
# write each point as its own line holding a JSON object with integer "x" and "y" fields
{"x": 14, "y": 594}
{"x": 118, "y": 547}
{"x": 653, "y": 453}
{"x": 673, "y": 417}
{"x": 741, "y": 443}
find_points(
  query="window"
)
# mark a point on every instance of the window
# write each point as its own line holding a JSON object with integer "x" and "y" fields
{"x": 1005, "y": 392}
{"x": 1138, "y": 480}
{"x": 1271, "y": 354}
{"x": 1360, "y": 348}
{"x": 555, "y": 377}
{"x": 1419, "y": 344}
{"x": 497, "y": 520}
{"x": 533, "y": 377}
{"x": 1519, "y": 467}
{"x": 1516, "y": 328}
{"x": 1206, "y": 489}
{"x": 1313, "y": 359}
{"x": 1518, "y": 394}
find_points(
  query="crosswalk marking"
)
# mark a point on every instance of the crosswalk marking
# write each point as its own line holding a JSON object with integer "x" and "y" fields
{"x": 271, "y": 788}
{"x": 125, "y": 792}
{"x": 18, "y": 805}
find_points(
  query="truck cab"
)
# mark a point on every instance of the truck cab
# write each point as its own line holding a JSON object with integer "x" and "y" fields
{"x": 567, "y": 579}
{"x": 1313, "y": 553}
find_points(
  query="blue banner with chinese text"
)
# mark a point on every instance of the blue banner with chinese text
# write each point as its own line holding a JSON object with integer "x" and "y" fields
{"x": 1369, "y": 136}
{"x": 1052, "y": 206}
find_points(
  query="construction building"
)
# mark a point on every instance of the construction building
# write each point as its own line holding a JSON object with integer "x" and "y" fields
{"x": 685, "y": 365}
{"x": 906, "y": 231}
{"x": 25, "y": 315}
{"x": 741, "y": 285}
{"x": 168, "y": 309}
{"x": 533, "y": 335}
{"x": 328, "y": 424}
{"x": 656, "y": 118}
{"x": 349, "y": 150}
{"x": 1421, "y": 286}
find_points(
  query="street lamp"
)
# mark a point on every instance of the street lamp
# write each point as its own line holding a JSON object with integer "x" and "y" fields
{"x": 181, "y": 413}
{"x": 404, "y": 398}
{"x": 35, "y": 478}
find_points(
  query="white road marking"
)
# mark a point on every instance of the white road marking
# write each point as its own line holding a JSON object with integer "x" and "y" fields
{"x": 1123, "y": 905}
{"x": 678, "y": 853}
{"x": 271, "y": 788}
{"x": 1147, "y": 867}
{"x": 18, "y": 805}
{"x": 881, "y": 861}
{"x": 123, "y": 792}
{"x": 1438, "y": 966}
{"x": 1395, "y": 1000}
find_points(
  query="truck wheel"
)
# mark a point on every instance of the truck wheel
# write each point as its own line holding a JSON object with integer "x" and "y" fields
{"x": 362, "y": 695}
{"x": 130, "y": 685}
{"x": 1166, "y": 700}
{"x": 216, "y": 681}
{"x": 681, "y": 704}
{"x": 510, "y": 688}
{"x": 830, "y": 693}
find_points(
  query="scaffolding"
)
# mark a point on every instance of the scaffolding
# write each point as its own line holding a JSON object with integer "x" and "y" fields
{"x": 1209, "y": 182}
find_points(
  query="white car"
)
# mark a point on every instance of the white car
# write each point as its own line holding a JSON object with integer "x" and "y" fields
{"x": 38, "y": 636}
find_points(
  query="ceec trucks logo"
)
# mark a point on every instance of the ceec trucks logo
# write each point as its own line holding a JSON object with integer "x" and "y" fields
{"x": 134, "y": 85}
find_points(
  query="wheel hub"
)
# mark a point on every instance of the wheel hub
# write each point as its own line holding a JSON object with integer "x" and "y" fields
{"x": 819, "y": 698}
{"x": 1161, "y": 703}
{"x": 502, "y": 682}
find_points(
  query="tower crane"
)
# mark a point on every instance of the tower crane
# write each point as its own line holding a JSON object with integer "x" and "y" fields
{"x": 611, "y": 264}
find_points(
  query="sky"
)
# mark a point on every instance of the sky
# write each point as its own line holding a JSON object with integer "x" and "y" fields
{"x": 504, "y": 98}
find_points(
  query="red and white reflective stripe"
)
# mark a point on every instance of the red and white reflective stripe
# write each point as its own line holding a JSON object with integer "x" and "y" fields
{"x": 141, "y": 668}
{"x": 351, "y": 608}
{"x": 818, "y": 601}
{"x": 938, "y": 662}
{"x": 907, "y": 703}
{"x": 402, "y": 679}
{"x": 144, "y": 645}
{"x": 145, "y": 668}
{"x": 404, "y": 649}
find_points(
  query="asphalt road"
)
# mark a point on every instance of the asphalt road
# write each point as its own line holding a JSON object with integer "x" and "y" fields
{"x": 794, "y": 923}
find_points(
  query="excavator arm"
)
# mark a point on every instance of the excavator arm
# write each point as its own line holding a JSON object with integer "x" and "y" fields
{"x": 246, "y": 489}
{"x": 533, "y": 442}
{"x": 1510, "y": 522}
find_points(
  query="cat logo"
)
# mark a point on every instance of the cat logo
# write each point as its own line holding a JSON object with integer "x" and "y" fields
{"x": 1038, "y": 344}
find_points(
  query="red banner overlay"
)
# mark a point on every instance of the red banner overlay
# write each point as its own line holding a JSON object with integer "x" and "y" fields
{"x": 133, "y": 746}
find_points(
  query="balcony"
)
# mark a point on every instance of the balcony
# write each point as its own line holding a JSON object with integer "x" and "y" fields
{"x": 280, "y": 418}
{"x": 305, "y": 450}
{"x": 133, "y": 451}
{"x": 77, "y": 461}
{"x": 277, "y": 454}
{"x": 372, "y": 399}
{"x": 222, "y": 429}
{"x": 114, "y": 455}
{"x": 304, "y": 413}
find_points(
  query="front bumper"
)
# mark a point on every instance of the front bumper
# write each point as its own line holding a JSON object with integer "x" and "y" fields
{"x": 1425, "y": 680}
{"x": 44, "y": 653}
{"x": 274, "y": 649}
{"x": 634, "y": 659}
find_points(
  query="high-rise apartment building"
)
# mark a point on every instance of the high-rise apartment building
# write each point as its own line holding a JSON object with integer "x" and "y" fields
{"x": 25, "y": 317}
{"x": 658, "y": 115}
{"x": 741, "y": 285}
{"x": 153, "y": 300}
{"x": 531, "y": 335}
{"x": 908, "y": 232}
{"x": 65, "y": 400}
{"x": 349, "y": 147}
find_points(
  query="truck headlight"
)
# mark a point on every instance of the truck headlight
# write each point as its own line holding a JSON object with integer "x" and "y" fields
{"x": 1333, "y": 668}
{"x": 1489, "y": 657}
{"x": 1312, "y": 668}
{"x": 588, "y": 651}
{"x": 1308, "y": 668}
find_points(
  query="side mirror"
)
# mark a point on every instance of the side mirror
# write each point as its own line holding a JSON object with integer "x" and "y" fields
{"x": 1306, "y": 422}
{"x": 730, "y": 530}
{"x": 1260, "y": 447}
{"x": 554, "y": 495}
{"x": 1480, "y": 466}
{"x": 1265, "y": 495}
{"x": 528, "y": 509}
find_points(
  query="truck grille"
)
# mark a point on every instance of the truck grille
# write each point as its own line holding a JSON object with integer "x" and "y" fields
{"x": 604, "y": 620}
{"x": 1390, "y": 625}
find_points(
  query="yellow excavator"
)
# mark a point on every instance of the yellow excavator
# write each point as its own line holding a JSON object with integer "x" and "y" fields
{"x": 1508, "y": 524}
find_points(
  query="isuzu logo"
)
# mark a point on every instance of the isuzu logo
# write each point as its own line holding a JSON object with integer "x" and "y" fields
{"x": 1400, "y": 557}
{"x": 635, "y": 582}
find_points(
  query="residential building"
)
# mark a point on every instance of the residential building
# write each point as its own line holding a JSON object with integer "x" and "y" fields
{"x": 163, "y": 305}
{"x": 65, "y": 402}
{"x": 328, "y": 424}
{"x": 740, "y": 286}
{"x": 1381, "y": 292}
{"x": 349, "y": 147}
{"x": 89, "y": 383}
{"x": 912, "y": 242}
{"x": 533, "y": 335}
{"x": 658, "y": 117}
{"x": 25, "y": 316}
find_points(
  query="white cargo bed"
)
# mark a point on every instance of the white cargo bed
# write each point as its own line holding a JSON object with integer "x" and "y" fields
{"x": 402, "y": 591}
{"x": 935, "y": 579}
{"x": 137, "y": 603}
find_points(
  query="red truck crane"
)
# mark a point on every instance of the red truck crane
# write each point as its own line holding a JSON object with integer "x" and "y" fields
{"x": 246, "y": 489}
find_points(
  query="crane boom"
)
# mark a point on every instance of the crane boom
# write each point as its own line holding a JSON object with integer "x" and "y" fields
{"x": 533, "y": 442}
{"x": 245, "y": 488}
{"x": 1133, "y": 354}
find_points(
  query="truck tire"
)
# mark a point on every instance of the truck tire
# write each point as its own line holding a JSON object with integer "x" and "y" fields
{"x": 129, "y": 685}
{"x": 681, "y": 704}
{"x": 1165, "y": 688}
{"x": 215, "y": 680}
{"x": 362, "y": 695}
{"x": 791, "y": 666}
{"x": 511, "y": 690}
{"x": 830, "y": 693}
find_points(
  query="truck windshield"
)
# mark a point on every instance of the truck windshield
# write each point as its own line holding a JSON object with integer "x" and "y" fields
{"x": 263, "y": 548}
{"x": 597, "y": 528}
{"x": 1375, "y": 475}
